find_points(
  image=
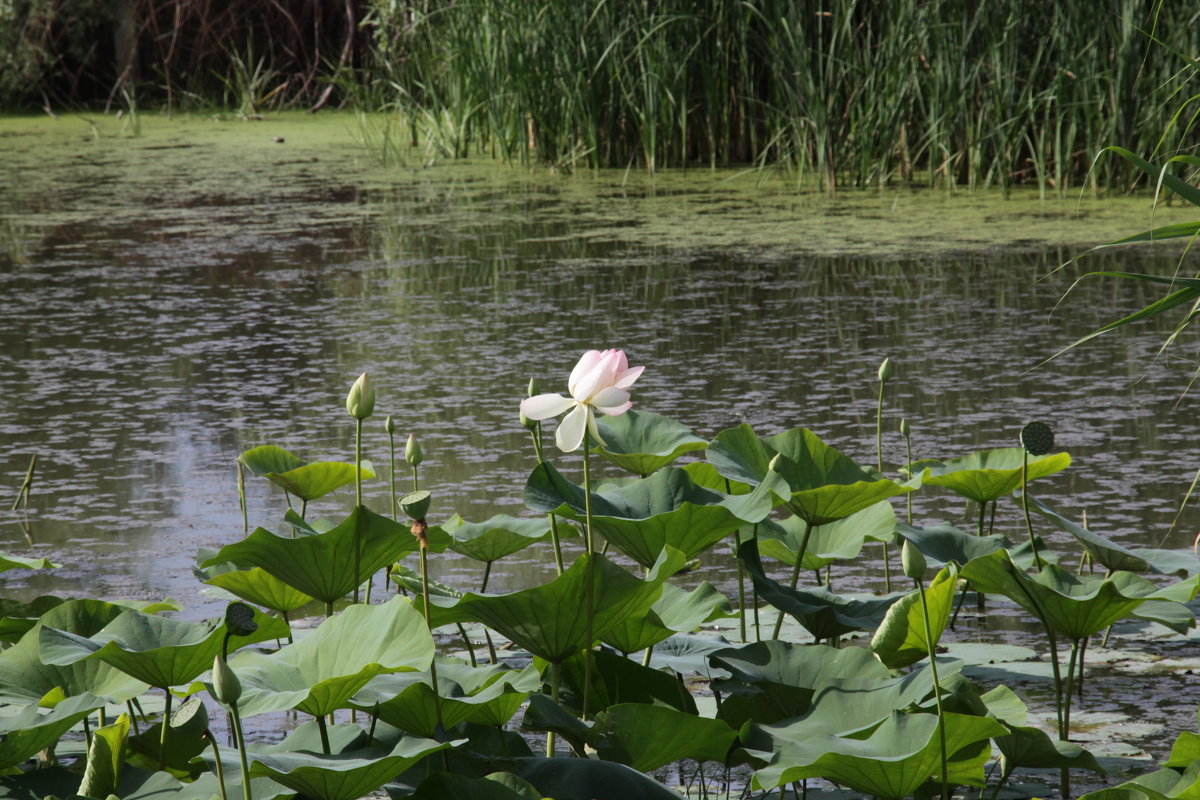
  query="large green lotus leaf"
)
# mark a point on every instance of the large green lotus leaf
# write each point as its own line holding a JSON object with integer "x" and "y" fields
{"x": 1162, "y": 784}
{"x": 773, "y": 680}
{"x": 18, "y": 618}
{"x": 322, "y": 566}
{"x": 988, "y": 474}
{"x": 550, "y": 620}
{"x": 823, "y": 485}
{"x": 270, "y": 458}
{"x": 821, "y": 612}
{"x": 495, "y": 538}
{"x": 705, "y": 474}
{"x": 675, "y": 611}
{"x": 8, "y": 562}
{"x": 688, "y": 654}
{"x": 25, "y": 677}
{"x": 322, "y": 671}
{"x": 1168, "y": 613}
{"x": 900, "y": 641}
{"x": 29, "y": 731}
{"x": 642, "y": 442}
{"x": 647, "y": 737}
{"x": 616, "y": 679}
{"x": 944, "y": 544}
{"x": 644, "y": 516}
{"x": 484, "y": 695}
{"x": 256, "y": 585}
{"x": 1027, "y": 746}
{"x": 589, "y": 779}
{"x": 1075, "y": 606}
{"x": 839, "y": 540}
{"x": 155, "y": 650}
{"x": 497, "y": 786}
{"x": 318, "y": 479}
{"x": 898, "y": 757}
{"x": 346, "y": 776}
{"x": 105, "y": 758}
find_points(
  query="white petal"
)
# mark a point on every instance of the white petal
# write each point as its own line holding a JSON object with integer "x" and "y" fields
{"x": 626, "y": 378}
{"x": 601, "y": 377}
{"x": 608, "y": 397}
{"x": 586, "y": 362}
{"x": 569, "y": 435}
{"x": 615, "y": 411}
{"x": 595, "y": 431}
{"x": 545, "y": 406}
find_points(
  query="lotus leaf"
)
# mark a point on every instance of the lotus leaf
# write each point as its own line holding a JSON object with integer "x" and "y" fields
{"x": 497, "y": 786}
{"x": 484, "y": 695}
{"x": 647, "y": 737}
{"x": 641, "y": 517}
{"x": 546, "y": 716}
{"x": 675, "y": 611}
{"x": 705, "y": 474}
{"x": 270, "y": 458}
{"x": 842, "y": 539}
{"x": 1162, "y": 784}
{"x": 821, "y": 612}
{"x": 1075, "y": 606}
{"x": 322, "y": 566}
{"x": 158, "y": 651}
{"x": 989, "y": 474}
{"x": 322, "y": 671}
{"x": 822, "y": 484}
{"x": 896, "y": 759}
{"x": 495, "y": 538}
{"x": 550, "y": 621}
{"x": 8, "y": 562}
{"x": 688, "y": 654}
{"x": 1026, "y": 746}
{"x": 308, "y": 481}
{"x": 642, "y": 442}
{"x": 346, "y": 776}
{"x": 616, "y": 679}
{"x": 589, "y": 779}
{"x": 943, "y": 544}
{"x": 106, "y": 757}
{"x": 256, "y": 585}
{"x": 900, "y": 641}
{"x": 29, "y": 731}
{"x": 20, "y": 617}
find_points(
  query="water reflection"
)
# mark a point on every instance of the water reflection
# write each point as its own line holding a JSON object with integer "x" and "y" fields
{"x": 157, "y": 328}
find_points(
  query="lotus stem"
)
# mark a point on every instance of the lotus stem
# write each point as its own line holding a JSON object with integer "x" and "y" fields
{"x": 416, "y": 479}
{"x": 217, "y": 757}
{"x": 536, "y": 433}
{"x": 883, "y": 378}
{"x": 904, "y": 428}
{"x": 323, "y": 727}
{"x": 741, "y": 581}
{"x": 591, "y": 569}
{"x": 937, "y": 689}
{"x": 392, "y": 471}
{"x": 358, "y": 424}
{"x": 132, "y": 717}
{"x": 241, "y": 487}
{"x": 241, "y": 748}
{"x": 26, "y": 485}
{"x": 467, "y": 641}
{"x": 555, "y": 682}
{"x": 487, "y": 635}
{"x": 795, "y": 573}
{"x": 1037, "y": 559}
{"x": 162, "y": 734}
{"x": 433, "y": 679}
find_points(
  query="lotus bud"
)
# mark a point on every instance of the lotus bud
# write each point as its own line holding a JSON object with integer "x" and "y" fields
{"x": 239, "y": 619}
{"x": 389, "y": 425}
{"x": 191, "y": 718}
{"x": 1037, "y": 438}
{"x": 912, "y": 561}
{"x": 412, "y": 451}
{"x": 775, "y": 462}
{"x": 360, "y": 403}
{"x": 904, "y": 427}
{"x": 886, "y": 370}
{"x": 226, "y": 686}
{"x": 535, "y": 387}
{"x": 416, "y": 504}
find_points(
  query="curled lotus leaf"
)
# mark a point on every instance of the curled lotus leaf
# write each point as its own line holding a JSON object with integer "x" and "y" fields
{"x": 8, "y": 562}
{"x": 642, "y": 442}
{"x": 900, "y": 640}
{"x": 989, "y": 474}
{"x": 839, "y": 540}
{"x": 308, "y": 481}
{"x": 495, "y": 538}
{"x": 675, "y": 611}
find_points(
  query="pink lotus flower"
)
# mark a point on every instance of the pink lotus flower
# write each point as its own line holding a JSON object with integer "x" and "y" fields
{"x": 599, "y": 382}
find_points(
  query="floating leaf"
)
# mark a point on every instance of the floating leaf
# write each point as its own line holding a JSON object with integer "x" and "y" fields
{"x": 8, "y": 562}
{"x": 642, "y": 442}
{"x": 322, "y": 671}
{"x": 644, "y": 516}
{"x": 988, "y": 474}
{"x": 900, "y": 640}
{"x": 494, "y": 538}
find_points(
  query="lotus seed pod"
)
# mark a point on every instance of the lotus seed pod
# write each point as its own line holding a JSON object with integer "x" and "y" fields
{"x": 1037, "y": 438}
{"x": 416, "y": 504}
{"x": 912, "y": 561}
{"x": 886, "y": 370}
{"x": 904, "y": 427}
{"x": 389, "y": 425}
{"x": 226, "y": 686}
{"x": 239, "y": 619}
{"x": 191, "y": 718}
{"x": 360, "y": 403}
{"x": 412, "y": 451}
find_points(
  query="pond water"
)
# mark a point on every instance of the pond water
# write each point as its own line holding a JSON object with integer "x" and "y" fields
{"x": 176, "y": 292}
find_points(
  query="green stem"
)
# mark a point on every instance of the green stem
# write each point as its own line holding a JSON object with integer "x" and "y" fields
{"x": 162, "y": 734}
{"x": 433, "y": 679}
{"x": 554, "y": 537}
{"x": 908, "y": 458}
{"x": 416, "y": 479}
{"x": 323, "y": 727}
{"x": 795, "y": 573}
{"x": 591, "y": 569}
{"x": 241, "y": 483}
{"x": 467, "y": 641}
{"x": 1037, "y": 561}
{"x": 887, "y": 566}
{"x": 241, "y": 745}
{"x": 357, "y": 499}
{"x": 217, "y": 757}
{"x": 937, "y": 691}
{"x": 555, "y": 682}
{"x": 392, "y": 473}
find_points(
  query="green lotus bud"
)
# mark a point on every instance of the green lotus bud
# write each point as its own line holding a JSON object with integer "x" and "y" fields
{"x": 389, "y": 425}
{"x": 239, "y": 619}
{"x": 412, "y": 451}
{"x": 535, "y": 387}
{"x": 416, "y": 504}
{"x": 886, "y": 370}
{"x": 226, "y": 686}
{"x": 775, "y": 462}
{"x": 904, "y": 427}
{"x": 527, "y": 423}
{"x": 912, "y": 561}
{"x": 1037, "y": 438}
{"x": 191, "y": 718}
{"x": 360, "y": 403}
